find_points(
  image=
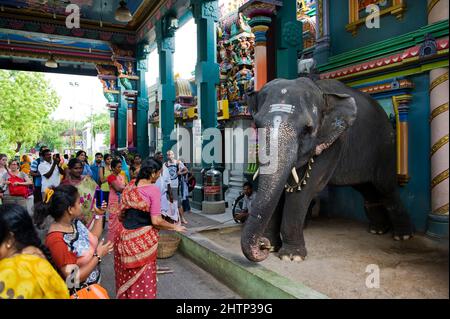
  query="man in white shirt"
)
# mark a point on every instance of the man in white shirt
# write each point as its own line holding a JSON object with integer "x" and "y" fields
{"x": 50, "y": 171}
{"x": 173, "y": 169}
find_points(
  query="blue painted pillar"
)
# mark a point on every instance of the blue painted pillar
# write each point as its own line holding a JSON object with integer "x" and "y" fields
{"x": 165, "y": 36}
{"x": 122, "y": 119}
{"x": 207, "y": 70}
{"x": 142, "y": 102}
{"x": 289, "y": 40}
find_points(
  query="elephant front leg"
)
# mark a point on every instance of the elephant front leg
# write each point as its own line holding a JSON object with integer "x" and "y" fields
{"x": 293, "y": 221}
{"x": 272, "y": 232}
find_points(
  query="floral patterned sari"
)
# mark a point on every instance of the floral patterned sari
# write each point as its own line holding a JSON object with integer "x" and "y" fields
{"x": 86, "y": 188}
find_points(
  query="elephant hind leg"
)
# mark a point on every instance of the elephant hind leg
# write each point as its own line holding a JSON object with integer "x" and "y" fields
{"x": 376, "y": 212}
{"x": 401, "y": 222}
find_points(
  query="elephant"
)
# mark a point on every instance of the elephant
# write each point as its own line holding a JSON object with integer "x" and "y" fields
{"x": 328, "y": 134}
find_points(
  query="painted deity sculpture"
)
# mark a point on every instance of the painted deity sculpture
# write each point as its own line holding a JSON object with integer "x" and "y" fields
{"x": 243, "y": 79}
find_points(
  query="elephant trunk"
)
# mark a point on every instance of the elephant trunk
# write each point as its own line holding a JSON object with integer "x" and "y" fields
{"x": 270, "y": 188}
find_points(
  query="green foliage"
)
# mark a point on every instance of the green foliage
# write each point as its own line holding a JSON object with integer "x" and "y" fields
{"x": 26, "y": 102}
{"x": 58, "y": 134}
{"x": 100, "y": 124}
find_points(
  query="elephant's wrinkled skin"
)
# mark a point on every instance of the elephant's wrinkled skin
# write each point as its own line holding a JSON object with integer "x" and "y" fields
{"x": 352, "y": 143}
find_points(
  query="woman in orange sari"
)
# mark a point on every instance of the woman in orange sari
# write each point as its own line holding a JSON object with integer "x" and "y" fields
{"x": 136, "y": 241}
{"x": 116, "y": 185}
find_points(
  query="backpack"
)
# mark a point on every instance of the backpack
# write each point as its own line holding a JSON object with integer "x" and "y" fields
{"x": 19, "y": 190}
{"x": 38, "y": 160}
{"x": 191, "y": 182}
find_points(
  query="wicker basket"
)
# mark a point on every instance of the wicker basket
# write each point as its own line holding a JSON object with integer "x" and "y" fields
{"x": 167, "y": 245}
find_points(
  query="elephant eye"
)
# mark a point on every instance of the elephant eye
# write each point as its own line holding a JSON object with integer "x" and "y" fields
{"x": 307, "y": 129}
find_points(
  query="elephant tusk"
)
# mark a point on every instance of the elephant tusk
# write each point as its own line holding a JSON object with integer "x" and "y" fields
{"x": 294, "y": 173}
{"x": 256, "y": 174}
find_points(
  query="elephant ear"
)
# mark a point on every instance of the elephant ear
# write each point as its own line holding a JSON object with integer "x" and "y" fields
{"x": 339, "y": 113}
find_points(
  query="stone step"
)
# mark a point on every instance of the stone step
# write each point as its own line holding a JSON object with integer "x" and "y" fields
{"x": 235, "y": 184}
{"x": 248, "y": 280}
{"x": 237, "y": 180}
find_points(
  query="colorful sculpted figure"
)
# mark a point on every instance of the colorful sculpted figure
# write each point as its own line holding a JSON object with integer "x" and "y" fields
{"x": 243, "y": 23}
{"x": 233, "y": 90}
{"x": 243, "y": 78}
{"x": 112, "y": 85}
{"x": 130, "y": 69}
{"x": 223, "y": 92}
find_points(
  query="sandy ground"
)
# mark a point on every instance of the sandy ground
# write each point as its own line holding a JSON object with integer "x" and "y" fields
{"x": 339, "y": 252}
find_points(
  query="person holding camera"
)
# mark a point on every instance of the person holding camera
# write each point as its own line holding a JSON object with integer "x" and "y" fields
{"x": 50, "y": 171}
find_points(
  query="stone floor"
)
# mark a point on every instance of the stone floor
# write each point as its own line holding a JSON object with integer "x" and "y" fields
{"x": 339, "y": 252}
{"x": 186, "y": 281}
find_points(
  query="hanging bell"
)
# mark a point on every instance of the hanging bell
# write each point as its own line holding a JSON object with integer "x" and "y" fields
{"x": 307, "y": 175}
{"x": 304, "y": 183}
{"x": 299, "y": 188}
{"x": 312, "y": 160}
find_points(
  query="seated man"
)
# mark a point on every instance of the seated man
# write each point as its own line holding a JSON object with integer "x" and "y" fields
{"x": 248, "y": 199}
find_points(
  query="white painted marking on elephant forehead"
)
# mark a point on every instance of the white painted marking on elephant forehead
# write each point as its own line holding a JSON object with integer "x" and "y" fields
{"x": 283, "y": 91}
{"x": 286, "y": 108}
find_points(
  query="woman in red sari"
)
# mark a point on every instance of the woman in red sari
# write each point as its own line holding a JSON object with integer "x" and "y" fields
{"x": 116, "y": 186}
{"x": 136, "y": 241}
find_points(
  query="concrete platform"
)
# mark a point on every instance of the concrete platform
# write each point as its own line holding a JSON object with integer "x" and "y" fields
{"x": 339, "y": 252}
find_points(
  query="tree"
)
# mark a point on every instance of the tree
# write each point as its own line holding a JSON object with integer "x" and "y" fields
{"x": 100, "y": 125}
{"x": 26, "y": 102}
{"x": 55, "y": 134}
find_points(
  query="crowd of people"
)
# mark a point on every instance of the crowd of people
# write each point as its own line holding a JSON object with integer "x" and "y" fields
{"x": 60, "y": 216}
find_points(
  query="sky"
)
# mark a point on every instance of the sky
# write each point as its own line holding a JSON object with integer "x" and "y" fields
{"x": 84, "y": 93}
{"x": 185, "y": 56}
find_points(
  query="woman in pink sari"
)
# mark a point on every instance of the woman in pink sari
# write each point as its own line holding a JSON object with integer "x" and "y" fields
{"x": 116, "y": 185}
{"x": 136, "y": 241}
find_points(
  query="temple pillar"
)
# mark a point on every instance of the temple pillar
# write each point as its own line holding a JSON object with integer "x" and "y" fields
{"x": 165, "y": 35}
{"x": 112, "y": 128}
{"x": 260, "y": 13}
{"x": 122, "y": 110}
{"x": 142, "y": 138}
{"x": 289, "y": 40}
{"x": 439, "y": 125}
{"x": 205, "y": 13}
{"x": 322, "y": 49}
{"x": 131, "y": 126}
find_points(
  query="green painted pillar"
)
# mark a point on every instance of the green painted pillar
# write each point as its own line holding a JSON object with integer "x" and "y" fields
{"x": 207, "y": 70}
{"x": 289, "y": 40}
{"x": 165, "y": 36}
{"x": 142, "y": 102}
{"x": 207, "y": 78}
{"x": 122, "y": 119}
